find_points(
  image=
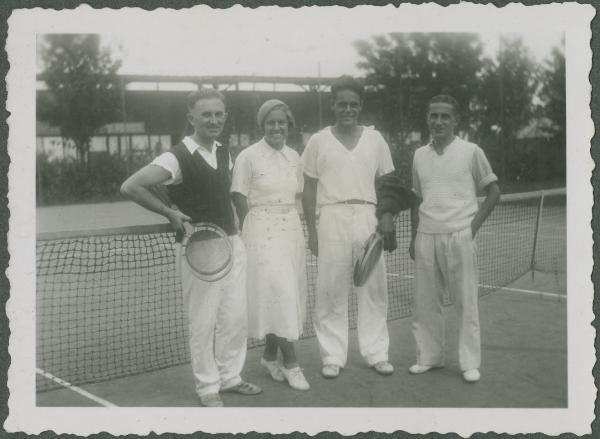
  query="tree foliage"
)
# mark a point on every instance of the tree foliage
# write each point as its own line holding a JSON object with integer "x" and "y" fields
{"x": 553, "y": 91}
{"x": 496, "y": 96}
{"x": 507, "y": 94}
{"x": 84, "y": 90}
{"x": 409, "y": 68}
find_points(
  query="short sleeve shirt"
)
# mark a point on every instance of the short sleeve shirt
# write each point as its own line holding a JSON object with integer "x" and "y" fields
{"x": 168, "y": 161}
{"x": 267, "y": 176}
{"x": 448, "y": 184}
{"x": 344, "y": 174}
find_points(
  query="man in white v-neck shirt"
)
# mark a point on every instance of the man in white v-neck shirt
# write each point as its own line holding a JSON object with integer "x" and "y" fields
{"x": 196, "y": 173}
{"x": 447, "y": 174}
{"x": 341, "y": 163}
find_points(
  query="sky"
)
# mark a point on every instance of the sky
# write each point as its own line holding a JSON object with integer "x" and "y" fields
{"x": 273, "y": 41}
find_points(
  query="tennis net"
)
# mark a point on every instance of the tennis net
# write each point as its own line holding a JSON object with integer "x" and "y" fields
{"x": 109, "y": 301}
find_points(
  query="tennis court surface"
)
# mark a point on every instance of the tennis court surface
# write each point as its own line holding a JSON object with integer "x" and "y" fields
{"x": 110, "y": 327}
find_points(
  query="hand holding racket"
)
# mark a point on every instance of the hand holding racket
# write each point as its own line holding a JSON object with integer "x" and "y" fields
{"x": 177, "y": 219}
{"x": 387, "y": 228}
{"x": 208, "y": 251}
{"x": 373, "y": 249}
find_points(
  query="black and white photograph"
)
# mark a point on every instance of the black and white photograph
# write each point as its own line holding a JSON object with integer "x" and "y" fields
{"x": 311, "y": 219}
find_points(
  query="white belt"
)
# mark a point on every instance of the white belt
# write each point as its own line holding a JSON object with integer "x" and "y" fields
{"x": 274, "y": 208}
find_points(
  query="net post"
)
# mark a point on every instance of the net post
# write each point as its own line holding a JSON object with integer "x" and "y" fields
{"x": 538, "y": 223}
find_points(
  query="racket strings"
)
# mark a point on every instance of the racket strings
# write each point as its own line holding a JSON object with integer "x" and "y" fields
{"x": 208, "y": 252}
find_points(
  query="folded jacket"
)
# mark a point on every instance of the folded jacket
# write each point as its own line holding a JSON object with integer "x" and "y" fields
{"x": 392, "y": 196}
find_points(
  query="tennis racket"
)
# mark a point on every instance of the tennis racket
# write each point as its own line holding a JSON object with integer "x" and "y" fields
{"x": 208, "y": 251}
{"x": 363, "y": 267}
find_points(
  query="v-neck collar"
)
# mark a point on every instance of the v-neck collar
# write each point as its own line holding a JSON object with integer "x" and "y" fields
{"x": 446, "y": 148}
{"x": 341, "y": 145}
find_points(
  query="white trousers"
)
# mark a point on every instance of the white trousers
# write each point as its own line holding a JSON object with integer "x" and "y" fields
{"x": 446, "y": 261}
{"x": 217, "y": 318}
{"x": 343, "y": 230}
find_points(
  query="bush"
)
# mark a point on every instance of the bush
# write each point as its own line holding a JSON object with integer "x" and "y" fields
{"x": 67, "y": 182}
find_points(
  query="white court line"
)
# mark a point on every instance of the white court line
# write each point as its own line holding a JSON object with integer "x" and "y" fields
{"x": 75, "y": 389}
{"x": 406, "y": 276}
{"x": 559, "y": 297}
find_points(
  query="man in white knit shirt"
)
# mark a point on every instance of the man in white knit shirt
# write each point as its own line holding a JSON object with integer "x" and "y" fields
{"x": 447, "y": 175}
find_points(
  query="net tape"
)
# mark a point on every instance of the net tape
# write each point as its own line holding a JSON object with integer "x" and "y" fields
{"x": 109, "y": 304}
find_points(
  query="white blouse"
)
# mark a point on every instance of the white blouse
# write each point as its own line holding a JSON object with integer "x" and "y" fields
{"x": 266, "y": 176}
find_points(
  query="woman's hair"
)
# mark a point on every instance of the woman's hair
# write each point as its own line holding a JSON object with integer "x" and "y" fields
{"x": 271, "y": 105}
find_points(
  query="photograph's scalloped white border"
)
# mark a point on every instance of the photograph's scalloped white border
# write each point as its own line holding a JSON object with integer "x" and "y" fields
{"x": 574, "y": 19}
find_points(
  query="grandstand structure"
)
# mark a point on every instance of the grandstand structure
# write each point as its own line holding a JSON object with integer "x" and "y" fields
{"x": 153, "y": 113}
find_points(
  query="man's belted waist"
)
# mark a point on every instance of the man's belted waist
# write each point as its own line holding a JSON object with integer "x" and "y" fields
{"x": 274, "y": 208}
{"x": 355, "y": 201}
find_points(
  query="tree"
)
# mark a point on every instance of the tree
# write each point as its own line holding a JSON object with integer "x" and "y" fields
{"x": 407, "y": 69}
{"x": 507, "y": 102}
{"x": 554, "y": 106}
{"x": 553, "y": 91}
{"x": 84, "y": 90}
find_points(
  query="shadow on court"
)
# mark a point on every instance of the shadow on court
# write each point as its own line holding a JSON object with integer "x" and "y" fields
{"x": 524, "y": 335}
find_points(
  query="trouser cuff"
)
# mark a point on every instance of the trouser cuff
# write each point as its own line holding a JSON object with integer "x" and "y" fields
{"x": 213, "y": 388}
{"x": 470, "y": 366}
{"x": 334, "y": 361}
{"x": 374, "y": 359}
{"x": 231, "y": 382}
{"x": 430, "y": 362}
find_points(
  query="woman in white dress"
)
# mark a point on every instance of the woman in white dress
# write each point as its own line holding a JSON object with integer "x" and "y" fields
{"x": 266, "y": 178}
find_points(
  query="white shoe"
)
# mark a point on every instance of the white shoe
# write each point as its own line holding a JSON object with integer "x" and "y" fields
{"x": 274, "y": 369}
{"x": 211, "y": 400}
{"x": 417, "y": 369}
{"x": 383, "y": 368}
{"x": 295, "y": 378}
{"x": 330, "y": 370}
{"x": 471, "y": 375}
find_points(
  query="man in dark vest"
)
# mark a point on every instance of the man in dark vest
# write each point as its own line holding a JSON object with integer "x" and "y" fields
{"x": 196, "y": 173}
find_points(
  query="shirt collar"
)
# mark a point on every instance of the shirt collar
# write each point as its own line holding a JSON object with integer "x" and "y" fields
{"x": 447, "y": 146}
{"x": 268, "y": 151}
{"x": 192, "y": 146}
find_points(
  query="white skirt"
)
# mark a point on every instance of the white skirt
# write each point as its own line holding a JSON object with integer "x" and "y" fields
{"x": 276, "y": 272}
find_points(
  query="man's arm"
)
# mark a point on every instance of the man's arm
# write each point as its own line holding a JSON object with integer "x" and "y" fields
{"x": 392, "y": 198}
{"x": 414, "y": 226}
{"x": 138, "y": 188}
{"x": 309, "y": 205}
{"x": 241, "y": 206}
{"x": 491, "y": 199}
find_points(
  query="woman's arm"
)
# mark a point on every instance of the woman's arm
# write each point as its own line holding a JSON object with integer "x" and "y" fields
{"x": 241, "y": 206}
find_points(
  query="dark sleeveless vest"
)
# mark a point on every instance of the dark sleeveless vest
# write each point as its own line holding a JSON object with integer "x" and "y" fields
{"x": 204, "y": 192}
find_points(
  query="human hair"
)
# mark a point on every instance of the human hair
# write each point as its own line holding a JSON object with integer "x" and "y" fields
{"x": 445, "y": 99}
{"x": 346, "y": 82}
{"x": 204, "y": 93}
{"x": 271, "y": 105}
